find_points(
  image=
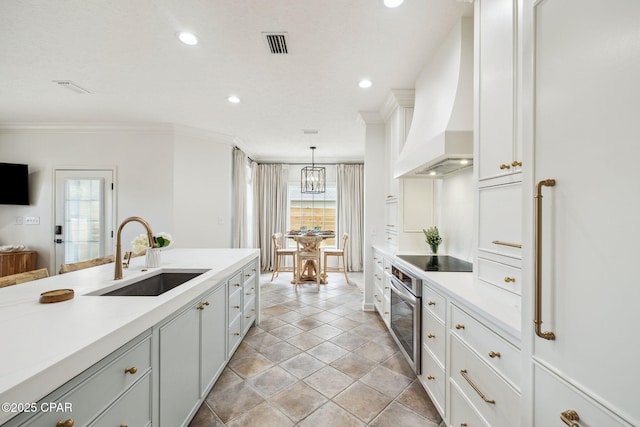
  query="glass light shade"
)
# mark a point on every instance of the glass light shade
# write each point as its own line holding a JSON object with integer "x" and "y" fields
{"x": 312, "y": 179}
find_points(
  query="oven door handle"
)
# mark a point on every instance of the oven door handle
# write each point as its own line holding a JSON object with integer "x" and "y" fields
{"x": 402, "y": 292}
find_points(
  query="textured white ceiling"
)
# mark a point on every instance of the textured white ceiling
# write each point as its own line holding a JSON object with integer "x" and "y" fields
{"x": 126, "y": 54}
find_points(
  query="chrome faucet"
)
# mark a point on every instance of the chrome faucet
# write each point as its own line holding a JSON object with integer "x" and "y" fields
{"x": 118, "y": 272}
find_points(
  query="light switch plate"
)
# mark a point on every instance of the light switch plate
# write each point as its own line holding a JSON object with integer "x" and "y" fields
{"x": 32, "y": 220}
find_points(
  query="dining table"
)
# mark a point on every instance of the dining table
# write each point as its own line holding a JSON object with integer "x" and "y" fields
{"x": 310, "y": 242}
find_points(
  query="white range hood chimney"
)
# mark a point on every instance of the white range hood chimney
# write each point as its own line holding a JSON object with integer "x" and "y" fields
{"x": 441, "y": 134}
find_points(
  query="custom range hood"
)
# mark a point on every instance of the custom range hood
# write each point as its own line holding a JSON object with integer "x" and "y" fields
{"x": 440, "y": 140}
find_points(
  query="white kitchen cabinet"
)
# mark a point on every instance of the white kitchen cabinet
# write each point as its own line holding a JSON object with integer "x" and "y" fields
{"x": 498, "y": 149}
{"x": 381, "y": 287}
{"x": 584, "y": 131}
{"x": 235, "y": 309}
{"x": 103, "y": 387}
{"x": 179, "y": 372}
{"x": 397, "y": 113}
{"x": 132, "y": 409}
{"x": 213, "y": 334}
{"x": 434, "y": 338}
{"x": 250, "y": 285}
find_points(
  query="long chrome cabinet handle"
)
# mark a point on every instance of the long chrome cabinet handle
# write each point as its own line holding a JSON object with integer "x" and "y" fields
{"x": 569, "y": 416}
{"x": 481, "y": 394}
{"x": 538, "y": 261}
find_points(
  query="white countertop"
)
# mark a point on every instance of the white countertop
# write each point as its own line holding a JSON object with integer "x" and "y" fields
{"x": 45, "y": 345}
{"x": 500, "y": 307}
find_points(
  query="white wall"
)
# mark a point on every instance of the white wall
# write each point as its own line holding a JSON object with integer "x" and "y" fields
{"x": 153, "y": 173}
{"x": 455, "y": 214}
{"x": 202, "y": 191}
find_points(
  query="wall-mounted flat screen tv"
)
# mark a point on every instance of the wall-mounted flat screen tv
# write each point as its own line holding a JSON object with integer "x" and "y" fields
{"x": 14, "y": 184}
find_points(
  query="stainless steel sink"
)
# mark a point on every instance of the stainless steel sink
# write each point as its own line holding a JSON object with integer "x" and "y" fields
{"x": 153, "y": 286}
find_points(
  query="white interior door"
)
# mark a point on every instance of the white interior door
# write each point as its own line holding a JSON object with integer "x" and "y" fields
{"x": 83, "y": 220}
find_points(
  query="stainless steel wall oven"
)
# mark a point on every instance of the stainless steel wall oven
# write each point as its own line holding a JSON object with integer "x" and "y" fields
{"x": 406, "y": 292}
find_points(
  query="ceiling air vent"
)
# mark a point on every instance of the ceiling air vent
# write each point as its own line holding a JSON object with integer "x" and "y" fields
{"x": 277, "y": 42}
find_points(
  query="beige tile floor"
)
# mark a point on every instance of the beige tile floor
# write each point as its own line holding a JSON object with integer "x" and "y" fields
{"x": 317, "y": 359}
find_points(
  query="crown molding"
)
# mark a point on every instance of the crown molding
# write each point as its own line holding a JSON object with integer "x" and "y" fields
{"x": 70, "y": 127}
{"x": 189, "y": 131}
{"x": 397, "y": 98}
{"x": 369, "y": 118}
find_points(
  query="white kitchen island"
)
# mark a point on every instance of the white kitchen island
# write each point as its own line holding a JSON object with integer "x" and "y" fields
{"x": 44, "y": 346}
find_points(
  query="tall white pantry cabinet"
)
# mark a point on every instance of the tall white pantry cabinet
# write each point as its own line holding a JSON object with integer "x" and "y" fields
{"x": 580, "y": 111}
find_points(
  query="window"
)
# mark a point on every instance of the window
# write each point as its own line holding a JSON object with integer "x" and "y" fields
{"x": 312, "y": 210}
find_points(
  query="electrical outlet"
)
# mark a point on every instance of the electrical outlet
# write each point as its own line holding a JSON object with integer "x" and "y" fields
{"x": 32, "y": 220}
{"x": 18, "y": 220}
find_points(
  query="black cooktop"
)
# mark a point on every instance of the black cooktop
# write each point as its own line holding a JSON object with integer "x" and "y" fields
{"x": 437, "y": 263}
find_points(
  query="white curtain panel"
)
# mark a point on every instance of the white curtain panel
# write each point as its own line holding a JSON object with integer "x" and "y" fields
{"x": 350, "y": 186}
{"x": 270, "y": 184}
{"x": 239, "y": 238}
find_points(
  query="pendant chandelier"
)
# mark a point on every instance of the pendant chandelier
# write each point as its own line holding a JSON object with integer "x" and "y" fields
{"x": 312, "y": 178}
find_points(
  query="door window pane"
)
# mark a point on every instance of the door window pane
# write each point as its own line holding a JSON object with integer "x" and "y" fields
{"x": 83, "y": 217}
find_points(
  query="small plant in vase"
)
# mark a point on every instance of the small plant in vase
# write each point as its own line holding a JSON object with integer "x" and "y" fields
{"x": 141, "y": 243}
{"x": 433, "y": 238}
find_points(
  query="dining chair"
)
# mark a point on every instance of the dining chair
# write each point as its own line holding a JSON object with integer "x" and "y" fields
{"x": 27, "y": 276}
{"x": 337, "y": 252}
{"x": 67, "y": 268}
{"x": 280, "y": 252}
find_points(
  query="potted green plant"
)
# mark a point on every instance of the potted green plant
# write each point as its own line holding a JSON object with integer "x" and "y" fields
{"x": 433, "y": 238}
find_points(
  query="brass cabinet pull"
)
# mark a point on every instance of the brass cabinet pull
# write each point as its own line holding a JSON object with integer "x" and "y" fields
{"x": 389, "y": 196}
{"x": 513, "y": 245}
{"x": 473, "y": 386}
{"x": 386, "y": 312}
{"x": 431, "y": 377}
{"x": 200, "y": 307}
{"x": 236, "y": 285}
{"x": 431, "y": 303}
{"x": 123, "y": 425}
{"x": 236, "y": 306}
{"x": 376, "y": 297}
{"x": 516, "y": 163}
{"x": 494, "y": 354}
{"x": 236, "y": 334}
{"x": 510, "y": 279}
{"x": 67, "y": 423}
{"x": 206, "y": 303}
{"x": 568, "y": 417}
{"x": 463, "y": 424}
{"x": 132, "y": 370}
{"x": 459, "y": 326}
{"x": 431, "y": 336}
{"x": 538, "y": 261}
{"x": 505, "y": 166}
{"x": 247, "y": 275}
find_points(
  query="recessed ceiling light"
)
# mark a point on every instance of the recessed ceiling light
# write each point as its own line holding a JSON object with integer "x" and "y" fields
{"x": 393, "y": 3}
{"x": 233, "y": 99}
{"x": 365, "y": 83}
{"x": 187, "y": 38}
{"x": 464, "y": 162}
{"x": 432, "y": 173}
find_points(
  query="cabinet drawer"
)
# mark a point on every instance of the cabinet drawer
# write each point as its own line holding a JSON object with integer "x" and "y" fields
{"x": 434, "y": 379}
{"x": 235, "y": 334}
{"x": 249, "y": 289}
{"x": 91, "y": 395}
{"x": 132, "y": 409}
{"x": 235, "y": 282}
{"x": 554, "y": 396}
{"x": 461, "y": 411}
{"x": 506, "y": 357}
{"x": 434, "y": 303}
{"x": 502, "y": 404}
{"x": 392, "y": 238}
{"x": 250, "y": 272}
{"x": 501, "y": 275}
{"x": 500, "y": 220}
{"x": 434, "y": 336}
{"x": 249, "y": 314}
{"x": 235, "y": 304}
